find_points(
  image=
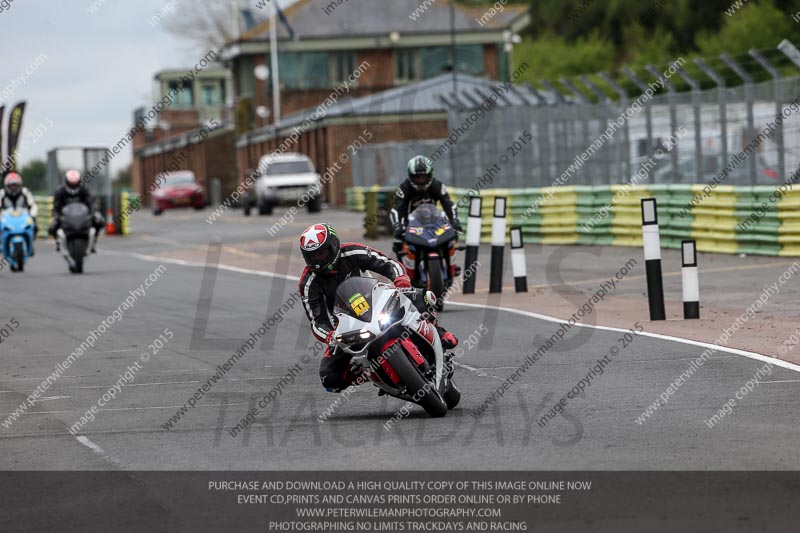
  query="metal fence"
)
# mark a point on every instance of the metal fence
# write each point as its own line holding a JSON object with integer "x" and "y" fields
{"x": 686, "y": 137}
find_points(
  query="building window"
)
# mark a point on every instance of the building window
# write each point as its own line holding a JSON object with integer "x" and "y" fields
{"x": 184, "y": 96}
{"x": 406, "y": 61}
{"x": 306, "y": 70}
{"x": 343, "y": 64}
{"x": 246, "y": 78}
{"x": 435, "y": 60}
{"x": 209, "y": 95}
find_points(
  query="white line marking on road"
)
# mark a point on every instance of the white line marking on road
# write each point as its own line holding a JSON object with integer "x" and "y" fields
{"x": 124, "y": 409}
{"x": 478, "y": 371}
{"x": 50, "y": 398}
{"x": 744, "y": 353}
{"x": 40, "y": 379}
{"x": 141, "y": 385}
{"x": 736, "y": 351}
{"x": 96, "y": 449}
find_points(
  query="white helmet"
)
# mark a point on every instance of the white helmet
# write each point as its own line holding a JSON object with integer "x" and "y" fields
{"x": 73, "y": 181}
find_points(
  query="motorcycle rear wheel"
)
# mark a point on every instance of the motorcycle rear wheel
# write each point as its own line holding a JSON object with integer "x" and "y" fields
{"x": 453, "y": 396}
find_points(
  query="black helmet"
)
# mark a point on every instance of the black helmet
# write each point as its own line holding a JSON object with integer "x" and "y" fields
{"x": 420, "y": 172}
{"x": 321, "y": 248}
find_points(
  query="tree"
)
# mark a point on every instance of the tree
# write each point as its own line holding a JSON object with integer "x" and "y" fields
{"x": 124, "y": 179}
{"x": 758, "y": 26}
{"x": 550, "y": 56}
{"x": 209, "y": 23}
{"x": 35, "y": 175}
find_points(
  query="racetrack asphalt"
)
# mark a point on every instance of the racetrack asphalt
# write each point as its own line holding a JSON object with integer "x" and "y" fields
{"x": 56, "y": 311}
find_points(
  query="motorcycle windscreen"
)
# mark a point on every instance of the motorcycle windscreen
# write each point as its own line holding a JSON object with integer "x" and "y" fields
{"x": 425, "y": 215}
{"x": 76, "y": 217}
{"x": 354, "y": 298}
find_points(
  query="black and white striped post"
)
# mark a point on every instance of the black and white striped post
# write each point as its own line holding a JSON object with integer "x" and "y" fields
{"x": 498, "y": 245}
{"x": 652, "y": 259}
{"x": 518, "y": 261}
{"x": 691, "y": 285}
{"x": 473, "y": 245}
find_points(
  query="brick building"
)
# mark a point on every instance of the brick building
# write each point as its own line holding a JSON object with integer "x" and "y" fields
{"x": 344, "y": 67}
{"x": 390, "y": 45}
{"x": 173, "y": 138}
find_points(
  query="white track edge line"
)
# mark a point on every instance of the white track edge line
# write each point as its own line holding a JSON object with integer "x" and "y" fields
{"x": 736, "y": 351}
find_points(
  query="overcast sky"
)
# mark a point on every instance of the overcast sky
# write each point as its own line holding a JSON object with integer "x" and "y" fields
{"x": 99, "y": 67}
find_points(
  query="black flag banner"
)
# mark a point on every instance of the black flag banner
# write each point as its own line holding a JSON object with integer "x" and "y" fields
{"x": 14, "y": 128}
{"x": 2, "y": 161}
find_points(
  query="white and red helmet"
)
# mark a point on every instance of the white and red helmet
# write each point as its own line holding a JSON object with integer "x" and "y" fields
{"x": 320, "y": 247}
{"x": 13, "y": 183}
{"x": 73, "y": 179}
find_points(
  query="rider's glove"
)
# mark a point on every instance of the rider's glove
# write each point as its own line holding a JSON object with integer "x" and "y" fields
{"x": 399, "y": 232}
{"x": 457, "y": 225}
{"x": 402, "y": 282}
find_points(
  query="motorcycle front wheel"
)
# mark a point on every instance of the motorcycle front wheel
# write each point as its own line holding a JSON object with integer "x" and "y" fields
{"x": 19, "y": 257}
{"x": 436, "y": 281}
{"x": 77, "y": 250}
{"x": 416, "y": 385}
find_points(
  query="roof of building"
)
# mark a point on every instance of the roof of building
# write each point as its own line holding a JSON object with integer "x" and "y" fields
{"x": 325, "y": 19}
{"x": 434, "y": 95}
{"x": 212, "y": 70}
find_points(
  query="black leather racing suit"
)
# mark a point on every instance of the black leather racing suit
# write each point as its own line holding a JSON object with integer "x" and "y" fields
{"x": 64, "y": 197}
{"x": 407, "y": 198}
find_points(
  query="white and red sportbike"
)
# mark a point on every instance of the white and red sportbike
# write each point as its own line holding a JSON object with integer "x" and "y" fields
{"x": 391, "y": 341}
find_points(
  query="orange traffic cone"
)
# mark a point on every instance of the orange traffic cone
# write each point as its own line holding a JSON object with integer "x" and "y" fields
{"x": 111, "y": 227}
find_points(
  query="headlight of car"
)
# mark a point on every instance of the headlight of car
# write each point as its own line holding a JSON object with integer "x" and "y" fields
{"x": 392, "y": 312}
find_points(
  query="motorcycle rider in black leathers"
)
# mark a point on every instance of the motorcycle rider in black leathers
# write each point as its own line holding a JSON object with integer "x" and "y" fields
{"x": 75, "y": 191}
{"x": 14, "y": 196}
{"x": 329, "y": 263}
{"x": 419, "y": 188}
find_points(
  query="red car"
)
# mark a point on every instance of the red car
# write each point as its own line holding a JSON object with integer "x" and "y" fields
{"x": 177, "y": 189}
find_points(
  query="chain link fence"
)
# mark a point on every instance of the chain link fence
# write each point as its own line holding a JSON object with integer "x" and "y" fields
{"x": 686, "y": 137}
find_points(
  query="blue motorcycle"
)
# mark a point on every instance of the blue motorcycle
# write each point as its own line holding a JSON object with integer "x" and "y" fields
{"x": 17, "y": 236}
